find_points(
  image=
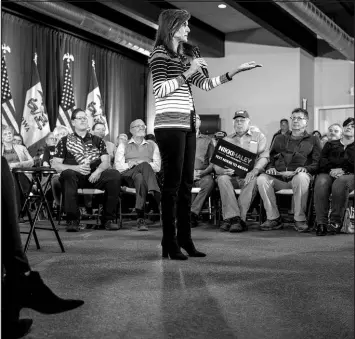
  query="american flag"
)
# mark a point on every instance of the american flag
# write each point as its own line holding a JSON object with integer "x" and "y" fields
{"x": 67, "y": 102}
{"x": 7, "y": 104}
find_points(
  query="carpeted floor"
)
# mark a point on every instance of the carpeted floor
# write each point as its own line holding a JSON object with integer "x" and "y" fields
{"x": 254, "y": 285}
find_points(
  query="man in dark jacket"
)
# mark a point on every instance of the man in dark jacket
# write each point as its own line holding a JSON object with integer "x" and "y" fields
{"x": 293, "y": 160}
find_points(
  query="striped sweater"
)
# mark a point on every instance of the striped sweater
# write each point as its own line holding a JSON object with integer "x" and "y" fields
{"x": 173, "y": 97}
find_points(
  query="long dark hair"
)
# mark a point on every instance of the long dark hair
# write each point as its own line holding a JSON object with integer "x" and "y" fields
{"x": 170, "y": 20}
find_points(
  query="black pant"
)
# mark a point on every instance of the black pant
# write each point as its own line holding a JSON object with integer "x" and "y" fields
{"x": 109, "y": 181}
{"x": 13, "y": 256}
{"x": 177, "y": 149}
{"x": 143, "y": 179}
{"x": 25, "y": 184}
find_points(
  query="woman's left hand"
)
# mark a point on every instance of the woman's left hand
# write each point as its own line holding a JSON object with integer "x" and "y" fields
{"x": 248, "y": 66}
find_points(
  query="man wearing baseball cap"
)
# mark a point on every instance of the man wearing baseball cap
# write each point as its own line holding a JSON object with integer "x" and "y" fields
{"x": 234, "y": 211}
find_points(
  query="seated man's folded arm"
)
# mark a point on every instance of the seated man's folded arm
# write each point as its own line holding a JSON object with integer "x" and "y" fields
{"x": 105, "y": 163}
{"x": 156, "y": 163}
{"x": 313, "y": 167}
{"x": 263, "y": 154}
{"x": 120, "y": 160}
{"x": 59, "y": 156}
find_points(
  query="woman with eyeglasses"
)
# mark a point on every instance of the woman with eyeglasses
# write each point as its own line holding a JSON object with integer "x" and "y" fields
{"x": 336, "y": 178}
{"x": 173, "y": 74}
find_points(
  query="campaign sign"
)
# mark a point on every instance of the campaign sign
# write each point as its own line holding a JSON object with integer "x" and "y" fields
{"x": 227, "y": 155}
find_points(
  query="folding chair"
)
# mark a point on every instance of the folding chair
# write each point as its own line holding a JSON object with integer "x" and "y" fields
{"x": 237, "y": 192}
{"x": 289, "y": 192}
{"x": 131, "y": 191}
{"x": 211, "y": 208}
{"x": 37, "y": 173}
{"x": 85, "y": 191}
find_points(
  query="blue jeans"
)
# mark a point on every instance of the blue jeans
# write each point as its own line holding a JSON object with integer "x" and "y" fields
{"x": 339, "y": 188}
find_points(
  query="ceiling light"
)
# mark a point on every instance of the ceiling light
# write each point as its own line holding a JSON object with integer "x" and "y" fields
{"x": 222, "y": 6}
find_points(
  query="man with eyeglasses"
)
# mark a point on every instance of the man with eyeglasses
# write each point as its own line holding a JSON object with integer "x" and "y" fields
{"x": 83, "y": 162}
{"x": 235, "y": 210}
{"x": 293, "y": 161}
{"x": 138, "y": 161}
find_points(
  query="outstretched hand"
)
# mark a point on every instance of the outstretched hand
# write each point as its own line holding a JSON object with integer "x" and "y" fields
{"x": 248, "y": 66}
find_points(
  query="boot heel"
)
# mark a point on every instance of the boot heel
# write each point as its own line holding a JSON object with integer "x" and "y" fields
{"x": 165, "y": 252}
{"x": 174, "y": 254}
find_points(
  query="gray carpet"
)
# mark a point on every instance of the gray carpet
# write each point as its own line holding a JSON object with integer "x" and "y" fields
{"x": 253, "y": 285}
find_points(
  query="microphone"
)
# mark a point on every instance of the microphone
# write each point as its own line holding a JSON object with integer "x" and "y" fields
{"x": 197, "y": 54}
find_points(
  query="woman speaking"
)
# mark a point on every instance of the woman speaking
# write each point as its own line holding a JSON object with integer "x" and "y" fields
{"x": 174, "y": 125}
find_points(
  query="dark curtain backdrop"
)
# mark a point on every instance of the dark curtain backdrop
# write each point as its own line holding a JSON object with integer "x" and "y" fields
{"x": 122, "y": 81}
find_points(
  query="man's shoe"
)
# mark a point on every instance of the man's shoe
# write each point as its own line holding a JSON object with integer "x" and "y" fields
{"x": 269, "y": 225}
{"x": 334, "y": 228}
{"x": 301, "y": 226}
{"x": 226, "y": 225}
{"x": 109, "y": 225}
{"x": 35, "y": 294}
{"x": 73, "y": 226}
{"x": 141, "y": 225}
{"x": 321, "y": 230}
{"x": 194, "y": 220}
{"x": 238, "y": 225}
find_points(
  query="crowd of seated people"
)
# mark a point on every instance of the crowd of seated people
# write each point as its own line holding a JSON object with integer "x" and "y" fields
{"x": 295, "y": 160}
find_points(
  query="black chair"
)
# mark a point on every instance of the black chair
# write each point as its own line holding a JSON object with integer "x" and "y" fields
{"x": 288, "y": 192}
{"x": 120, "y": 214}
{"x": 37, "y": 173}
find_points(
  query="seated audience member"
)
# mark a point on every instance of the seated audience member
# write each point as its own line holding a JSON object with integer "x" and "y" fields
{"x": 99, "y": 129}
{"x": 203, "y": 171}
{"x": 59, "y": 132}
{"x": 335, "y": 132}
{"x": 324, "y": 140}
{"x": 293, "y": 160}
{"x": 49, "y": 150}
{"x": 138, "y": 161}
{"x": 284, "y": 129}
{"x": 18, "y": 140}
{"x": 17, "y": 156}
{"x": 336, "y": 178}
{"x": 83, "y": 162}
{"x": 217, "y": 136}
{"x": 22, "y": 287}
{"x": 234, "y": 211}
{"x": 317, "y": 134}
